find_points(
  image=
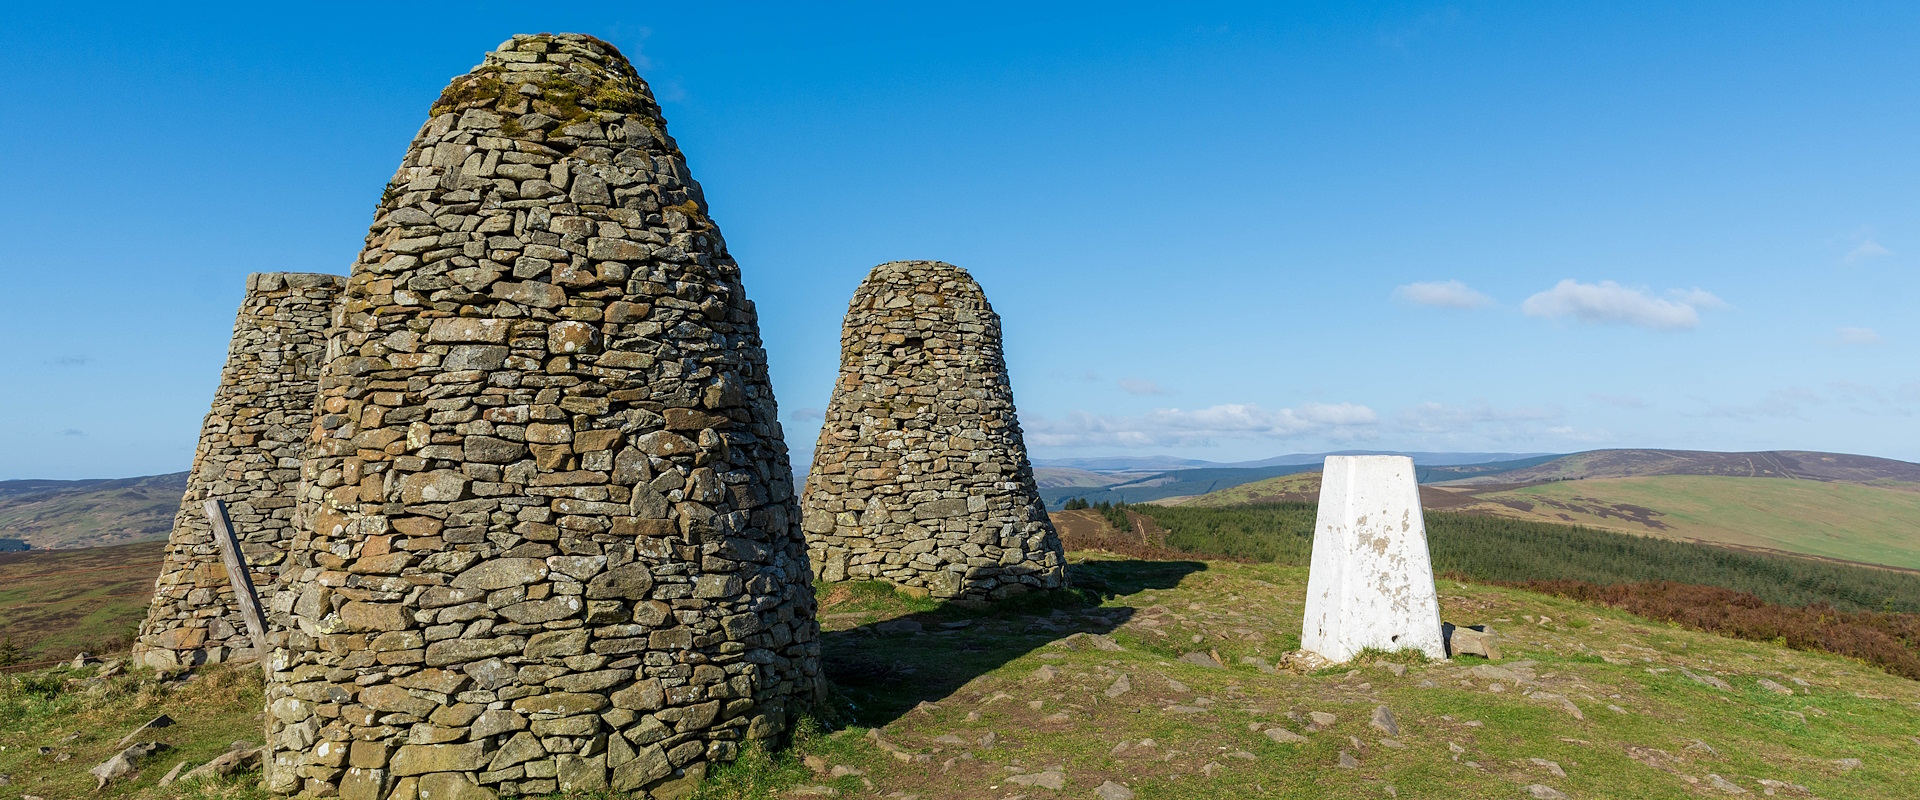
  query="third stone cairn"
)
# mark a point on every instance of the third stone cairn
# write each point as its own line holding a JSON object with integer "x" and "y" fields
{"x": 550, "y": 541}
{"x": 921, "y": 476}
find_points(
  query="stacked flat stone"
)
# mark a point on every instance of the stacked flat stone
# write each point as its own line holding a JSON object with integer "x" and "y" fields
{"x": 552, "y": 542}
{"x": 250, "y": 451}
{"x": 921, "y": 477}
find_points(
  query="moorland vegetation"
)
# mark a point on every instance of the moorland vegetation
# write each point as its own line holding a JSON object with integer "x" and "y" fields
{"x": 1863, "y": 612}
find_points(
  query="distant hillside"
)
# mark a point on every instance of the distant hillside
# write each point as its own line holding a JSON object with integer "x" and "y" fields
{"x": 1831, "y": 519}
{"x": 1797, "y": 464}
{"x": 1178, "y": 483}
{"x": 1119, "y": 480}
{"x": 1066, "y": 477}
{"x": 1168, "y": 463}
{"x": 56, "y": 603}
{"x": 1829, "y": 505}
{"x": 1424, "y": 459}
{"x": 1451, "y": 472}
{"x": 92, "y": 513}
{"x": 1125, "y": 463}
{"x": 1303, "y": 487}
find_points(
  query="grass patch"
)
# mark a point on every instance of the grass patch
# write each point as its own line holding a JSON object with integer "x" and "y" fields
{"x": 81, "y": 717}
{"x": 1376, "y": 655}
{"x": 760, "y": 772}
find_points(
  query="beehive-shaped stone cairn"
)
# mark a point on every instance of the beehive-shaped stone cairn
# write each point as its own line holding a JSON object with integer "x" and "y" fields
{"x": 921, "y": 477}
{"x": 1370, "y": 581}
{"x": 250, "y": 450}
{"x": 551, "y": 540}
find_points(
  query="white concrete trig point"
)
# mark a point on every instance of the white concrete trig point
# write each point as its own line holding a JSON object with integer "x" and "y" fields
{"x": 1371, "y": 581}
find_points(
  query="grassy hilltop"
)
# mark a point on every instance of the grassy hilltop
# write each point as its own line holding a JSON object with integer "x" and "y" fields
{"x": 1166, "y": 673}
{"x": 1054, "y": 700}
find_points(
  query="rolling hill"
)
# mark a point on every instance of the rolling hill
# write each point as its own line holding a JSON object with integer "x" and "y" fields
{"x": 1179, "y": 483}
{"x": 1126, "y": 480}
{"x": 1793, "y": 464}
{"x": 1828, "y": 505}
{"x": 91, "y": 513}
{"x": 1304, "y": 487}
{"x": 1074, "y": 478}
{"x": 1830, "y": 519}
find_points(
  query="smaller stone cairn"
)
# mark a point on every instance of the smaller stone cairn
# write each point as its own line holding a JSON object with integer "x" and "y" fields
{"x": 921, "y": 476}
{"x": 1370, "y": 580}
{"x": 249, "y": 455}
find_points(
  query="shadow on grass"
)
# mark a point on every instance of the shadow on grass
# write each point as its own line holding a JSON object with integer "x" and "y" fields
{"x": 882, "y": 670}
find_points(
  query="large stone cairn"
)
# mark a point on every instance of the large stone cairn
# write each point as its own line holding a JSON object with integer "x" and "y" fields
{"x": 921, "y": 477}
{"x": 249, "y": 455}
{"x": 551, "y": 539}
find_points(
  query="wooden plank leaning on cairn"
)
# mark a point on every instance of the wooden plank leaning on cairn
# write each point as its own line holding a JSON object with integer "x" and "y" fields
{"x": 238, "y": 575}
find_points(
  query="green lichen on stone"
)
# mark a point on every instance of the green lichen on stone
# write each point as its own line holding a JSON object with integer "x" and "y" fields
{"x": 561, "y": 96}
{"x": 483, "y": 86}
{"x": 692, "y": 210}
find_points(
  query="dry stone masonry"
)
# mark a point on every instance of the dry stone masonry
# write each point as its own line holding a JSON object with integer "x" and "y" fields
{"x": 249, "y": 456}
{"x": 921, "y": 477}
{"x": 551, "y": 540}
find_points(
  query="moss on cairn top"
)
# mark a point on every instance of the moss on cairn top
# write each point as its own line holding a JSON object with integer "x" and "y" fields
{"x": 541, "y": 83}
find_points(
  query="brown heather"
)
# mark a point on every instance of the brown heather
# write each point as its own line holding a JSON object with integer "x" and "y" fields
{"x": 1889, "y": 641}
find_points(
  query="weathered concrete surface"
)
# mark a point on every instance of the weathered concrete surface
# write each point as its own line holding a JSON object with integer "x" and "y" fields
{"x": 1370, "y": 583}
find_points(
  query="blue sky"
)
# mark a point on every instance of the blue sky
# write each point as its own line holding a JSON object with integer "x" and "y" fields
{"x": 1221, "y": 231}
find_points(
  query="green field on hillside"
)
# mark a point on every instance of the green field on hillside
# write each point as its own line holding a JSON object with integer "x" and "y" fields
{"x": 1493, "y": 548}
{"x": 1848, "y": 521}
{"x": 1870, "y": 524}
{"x": 1296, "y": 487}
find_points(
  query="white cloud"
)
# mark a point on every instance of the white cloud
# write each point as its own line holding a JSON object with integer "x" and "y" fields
{"x": 1140, "y": 386}
{"x": 1609, "y": 302}
{"x": 807, "y": 414}
{"x": 1867, "y": 249}
{"x": 1696, "y": 297}
{"x": 1860, "y": 336}
{"x": 1442, "y": 294}
{"x": 1173, "y": 427}
{"x": 1444, "y": 418}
